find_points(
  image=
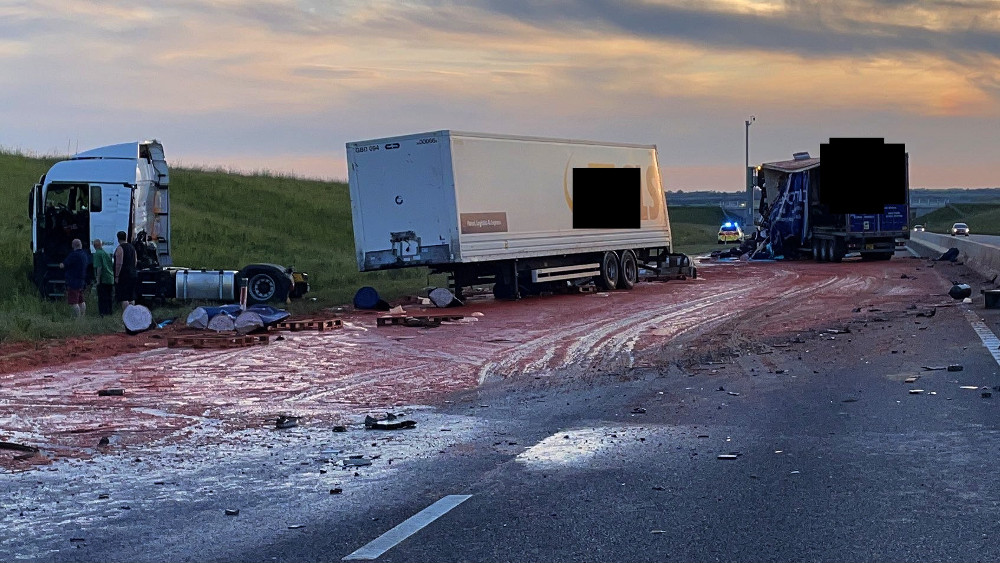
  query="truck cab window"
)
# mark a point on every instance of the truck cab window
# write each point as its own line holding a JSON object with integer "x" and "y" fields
{"x": 95, "y": 199}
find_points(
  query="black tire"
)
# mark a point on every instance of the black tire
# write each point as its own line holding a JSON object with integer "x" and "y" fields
{"x": 266, "y": 283}
{"x": 817, "y": 250}
{"x": 836, "y": 251}
{"x": 628, "y": 270}
{"x": 608, "y": 279}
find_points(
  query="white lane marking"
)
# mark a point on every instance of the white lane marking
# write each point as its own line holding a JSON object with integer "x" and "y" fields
{"x": 375, "y": 548}
{"x": 989, "y": 339}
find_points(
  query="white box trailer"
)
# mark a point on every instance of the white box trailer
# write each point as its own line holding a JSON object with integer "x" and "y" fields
{"x": 499, "y": 209}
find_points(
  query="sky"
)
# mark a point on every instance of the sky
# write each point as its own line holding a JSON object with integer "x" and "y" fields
{"x": 282, "y": 85}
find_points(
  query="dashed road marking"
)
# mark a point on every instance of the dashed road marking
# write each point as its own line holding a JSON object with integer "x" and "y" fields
{"x": 989, "y": 339}
{"x": 375, "y": 548}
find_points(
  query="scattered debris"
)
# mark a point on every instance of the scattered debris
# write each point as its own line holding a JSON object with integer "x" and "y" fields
{"x": 371, "y": 423}
{"x": 104, "y": 441}
{"x": 397, "y": 310}
{"x": 336, "y": 491}
{"x": 911, "y": 379}
{"x": 137, "y": 318}
{"x": 960, "y": 291}
{"x": 733, "y": 393}
{"x": 77, "y": 539}
{"x": 286, "y": 421}
{"x": 779, "y": 371}
{"x": 295, "y": 526}
{"x": 968, "y": 387}
{"x": 442, "y": 297}
{"x": 339, "y": 428}
{"x": 657, "y": 488}
{"x": 355, "y": 462}
{"x": 638, "y": 410}
{"x": 232, "y": 512}
{"x": 986, "y": 394}
{"x": 929, "y": 313}
{"x": 367, "y": 298}
{"x": 727, "y": 456}
{"x": 934, "y": 368}
{"x": 850, "y": 400}
{"x": 949, "y": 256}
{"x": 955, "y": 367}
{"x": 845, "y": 330}
{"x": 916, "y": 391}
{"x": 658, "y": 532}
{"x": 115, "y": 392}
{"x": 18, "y": 447}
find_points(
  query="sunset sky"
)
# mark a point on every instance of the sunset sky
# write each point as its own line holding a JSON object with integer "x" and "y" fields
{"x": 282, "y": 85}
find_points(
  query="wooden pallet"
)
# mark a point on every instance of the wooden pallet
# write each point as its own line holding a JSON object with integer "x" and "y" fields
{"x": 426, "y": 319}
{"x": 318, "y": 325}
{"x": 220, "y": 341}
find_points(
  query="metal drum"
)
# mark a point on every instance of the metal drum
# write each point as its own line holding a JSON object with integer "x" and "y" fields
{"x": 206, "y": 284}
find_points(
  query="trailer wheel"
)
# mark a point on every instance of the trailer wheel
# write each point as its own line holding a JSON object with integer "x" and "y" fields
{"x": 628, "y": 271}
{"x": 817, "y": 249}
{"x": 608, "y": 279}
{"x": 265, "y": 283}
{"x": 836, "y": 251}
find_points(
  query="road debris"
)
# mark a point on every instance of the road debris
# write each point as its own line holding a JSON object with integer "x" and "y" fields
{"x": 355, "y": 461}
{"x": 283, "y": 421}
{"x": 232, "y": 512}
{"x": 911, "y": 379}
{"x": 442, "y": 297}
{"x": 638, "y": 410}
{"x": 17, "y": 447}
{"x": 960, "y": 291}
{"x": 916, "y": 391}
{"x": 336, "y": 491}
{"x": 986, "y": 394}
{"x": 727, "y": 456}
{"x": 968, "y": 387}
{"x": 955, "y": 367}
{"x": 733, "y": 393}
{"x": 115, "y": 392}
{"x": 934, "y": 368}
{"x": 340, "y": 428}
{"x": 371, "y": 423}
{"x": 949, "y": 256}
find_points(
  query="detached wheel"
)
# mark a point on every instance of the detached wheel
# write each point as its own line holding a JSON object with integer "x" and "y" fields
{"x": 608, "y": 279}
{"x": 628, "y": 271}
{"x": 266, "y": 283}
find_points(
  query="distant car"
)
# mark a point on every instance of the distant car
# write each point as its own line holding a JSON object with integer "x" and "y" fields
{"x": 959, "y": 229}
{"x": 918, "y": 228}
{"x": 730, "y": 232}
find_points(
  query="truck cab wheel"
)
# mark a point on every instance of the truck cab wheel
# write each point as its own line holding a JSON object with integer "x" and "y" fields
{"x": 266, "y": 283}
{"x": 628, "y": 270}
{"x": 608, "y": 279}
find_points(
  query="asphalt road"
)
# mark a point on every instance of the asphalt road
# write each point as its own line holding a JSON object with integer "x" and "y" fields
{"x": 833, "y": 459}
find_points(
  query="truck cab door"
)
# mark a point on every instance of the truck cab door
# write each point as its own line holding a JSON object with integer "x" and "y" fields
{"x": 110, "y": 212}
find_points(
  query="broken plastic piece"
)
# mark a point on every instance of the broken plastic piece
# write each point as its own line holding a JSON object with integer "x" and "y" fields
{"x": 372, "y": 424}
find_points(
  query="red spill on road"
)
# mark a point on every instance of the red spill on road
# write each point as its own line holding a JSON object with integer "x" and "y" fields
{"x": 332, "y": 376}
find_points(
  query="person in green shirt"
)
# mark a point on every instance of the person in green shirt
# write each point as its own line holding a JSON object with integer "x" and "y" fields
{"x": 104, "y": 276}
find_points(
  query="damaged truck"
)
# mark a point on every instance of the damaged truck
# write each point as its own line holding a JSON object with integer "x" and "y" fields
{"x": 97, "y": 193}
{"x": 512, "y": 211}
{"x": 863, "y": 208}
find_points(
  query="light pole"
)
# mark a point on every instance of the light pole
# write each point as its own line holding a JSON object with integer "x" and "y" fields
{"x": 749, "y": 175}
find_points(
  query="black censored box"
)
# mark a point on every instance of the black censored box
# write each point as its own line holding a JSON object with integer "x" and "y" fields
{"x": 606, "y": 198}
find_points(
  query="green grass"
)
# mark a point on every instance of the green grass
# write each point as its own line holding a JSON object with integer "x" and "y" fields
{"x": 982, "y": 218}
{"x": 696, "y": 229}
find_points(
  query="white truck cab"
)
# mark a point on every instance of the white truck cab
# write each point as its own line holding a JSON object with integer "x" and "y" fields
{"x": 93, "y": 195}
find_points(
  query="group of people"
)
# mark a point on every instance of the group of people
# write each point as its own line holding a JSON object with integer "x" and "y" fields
{"x": 116, "y": 274}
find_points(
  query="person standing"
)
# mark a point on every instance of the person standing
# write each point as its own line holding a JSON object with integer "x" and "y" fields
{"x": 104, "y": 275}
{"x": 76, "y": 266}
{"x": 125, "y": 271}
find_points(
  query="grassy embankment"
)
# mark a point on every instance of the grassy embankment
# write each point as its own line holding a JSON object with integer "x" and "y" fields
{"x": 983, "y": 219}
{"x": 219, "y": 221}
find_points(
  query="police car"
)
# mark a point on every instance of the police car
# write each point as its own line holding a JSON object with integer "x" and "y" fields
{"x": 730, "y": 232}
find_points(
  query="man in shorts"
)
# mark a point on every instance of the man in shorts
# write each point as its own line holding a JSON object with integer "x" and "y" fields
{"x": 76, "y": 266}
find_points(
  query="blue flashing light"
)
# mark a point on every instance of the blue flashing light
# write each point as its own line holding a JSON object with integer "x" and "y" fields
{"x": 727, "y": 225}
